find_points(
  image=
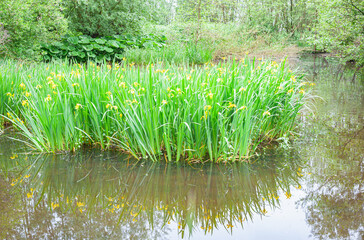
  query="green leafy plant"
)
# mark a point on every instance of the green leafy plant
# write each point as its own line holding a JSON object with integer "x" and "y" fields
{"x": 83, "y": 48}
{"x": 213, "y": 112}
{"x": 105, "y": 18}
{"x": 24, "y": 24}
{"x": 339, "y": 29}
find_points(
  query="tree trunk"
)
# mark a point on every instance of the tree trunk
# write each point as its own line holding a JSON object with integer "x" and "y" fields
{"x": 198, "y": 21}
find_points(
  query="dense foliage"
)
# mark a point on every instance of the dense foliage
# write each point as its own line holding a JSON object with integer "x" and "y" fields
{"x": 339, "y": 28}
{"x": 220, "y": 113}
{"x": 104, "y": 18}
{"x": 24, "y": 24}
{"x": 258, "y": 16}
{"x": 226, "y": 27}
{"x": 85, "y": 48}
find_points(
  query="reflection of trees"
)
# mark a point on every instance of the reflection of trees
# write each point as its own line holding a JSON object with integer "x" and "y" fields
{"x": 335, "y": 201}
{"x": 10, "y": 209}
{"x": 319, "y": 67}
{"x": 144, "y": 197}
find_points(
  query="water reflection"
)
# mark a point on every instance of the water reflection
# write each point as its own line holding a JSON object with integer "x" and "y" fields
{"x": 90, "y": 192}
{"x": 334, "y": 149}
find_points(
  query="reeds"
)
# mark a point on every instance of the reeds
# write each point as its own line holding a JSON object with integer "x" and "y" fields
{"x": 211, "y": 112}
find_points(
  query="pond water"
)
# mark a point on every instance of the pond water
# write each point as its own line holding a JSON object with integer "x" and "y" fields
{"x": 311, "y": 188}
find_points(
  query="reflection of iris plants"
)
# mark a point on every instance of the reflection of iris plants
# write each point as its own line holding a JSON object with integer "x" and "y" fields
{"x": 216, "y": 112}
{"x": 203, "y": 197}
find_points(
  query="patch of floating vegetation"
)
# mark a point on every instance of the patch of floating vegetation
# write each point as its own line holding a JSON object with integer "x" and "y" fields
{"x": 213, "y": 112}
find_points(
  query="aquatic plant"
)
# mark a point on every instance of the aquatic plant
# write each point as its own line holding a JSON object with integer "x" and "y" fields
{"x": 219, "y": 112}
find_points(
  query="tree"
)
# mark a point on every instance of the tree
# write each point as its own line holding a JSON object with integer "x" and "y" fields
{"x": 340, "y": 29}
{"x": 105, "y": 18}
{"x": 27, "y": 23}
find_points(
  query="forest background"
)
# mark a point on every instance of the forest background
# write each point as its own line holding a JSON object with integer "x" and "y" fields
{"x": 196, "y": 31}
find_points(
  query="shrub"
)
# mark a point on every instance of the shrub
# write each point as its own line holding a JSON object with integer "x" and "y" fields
{"x": 83, "y": 48}
{"x": 4, "y": 38}
{"x": 174, "y": 52}
{"x": 28, "y": 23}
{"x": 339, "y": 29}
{"x": 104, "y": 18}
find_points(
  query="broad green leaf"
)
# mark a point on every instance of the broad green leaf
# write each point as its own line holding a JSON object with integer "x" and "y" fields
{"x": 109, "y": 50}
{"x": 112, "y": 43}
{"x": 91, "y": 55}
{"x": 100, "y": 41}
{"x": 118, "y": 56}
{"x": 72, "y": 40}
{"x": 88, "y": 47}
{"x": 84, "y": 40}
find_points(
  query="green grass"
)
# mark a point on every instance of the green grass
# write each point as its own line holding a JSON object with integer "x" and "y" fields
{"x": 219, "y": 112}
{"x": 222, "y": 40}
{"x": 176, "y": 52}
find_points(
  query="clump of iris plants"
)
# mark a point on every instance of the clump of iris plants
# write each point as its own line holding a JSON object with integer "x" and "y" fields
{"x": 217, "y": 112}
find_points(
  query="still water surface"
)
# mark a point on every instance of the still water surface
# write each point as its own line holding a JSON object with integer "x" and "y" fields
{"x": 311, "y": 188}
